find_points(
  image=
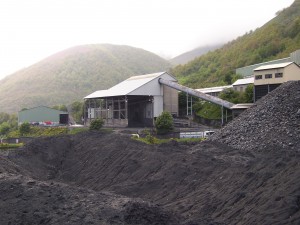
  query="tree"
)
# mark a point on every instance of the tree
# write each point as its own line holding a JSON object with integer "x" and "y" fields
{"x": 77, "y": 111}
{"x": 231, "y": 95}
{"x": 4, "y": 117}
{"x": 4, "y": 128}
{"x": 164, "y": 123}
{"x": 248, "y": 94}
{"x": 96, "y": 124}
{"x": 60, "y": 108}
{"x": 8, "y": 122}
{"x": 24, "y": 128}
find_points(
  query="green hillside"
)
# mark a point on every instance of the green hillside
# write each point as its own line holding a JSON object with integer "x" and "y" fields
{"x": 191, "y": 55}
{"x": 74, "y": 73}
{"x": 276, "y": 39}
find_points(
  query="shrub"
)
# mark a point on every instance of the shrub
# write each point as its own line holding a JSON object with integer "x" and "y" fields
{"x": 164, "y": 123}
{"x": 96, "y": 124}
{"x": 150, "y": 139}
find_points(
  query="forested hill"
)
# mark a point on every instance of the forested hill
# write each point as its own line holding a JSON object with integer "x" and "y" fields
{"x": 190, "y": 55}
{"x": 276, "y": 39}
{"x": 74, "y": 73}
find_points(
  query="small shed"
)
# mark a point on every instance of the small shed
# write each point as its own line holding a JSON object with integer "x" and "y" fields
{"x": 242, "y": 84}
{"x": 42, "y": 115}
{"x": 134, "y": 102}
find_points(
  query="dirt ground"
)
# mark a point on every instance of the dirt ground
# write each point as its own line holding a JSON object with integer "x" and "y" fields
{"x": 108, "y": 178}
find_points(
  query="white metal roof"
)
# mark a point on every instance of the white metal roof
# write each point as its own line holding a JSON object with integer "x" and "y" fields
{"x": 213, "y": 89}
{"x": 273, "y": 66}
{"x": 242, "y": 106}
{"x": 127, "y": 86}
{"x": 244, "y": 81}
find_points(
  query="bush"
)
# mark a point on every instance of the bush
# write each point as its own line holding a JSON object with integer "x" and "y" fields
{"x": 164, "y": 123}
{"x": 96, "y": 124}
{"x": 4, "y": 128}
{"x": 24, "y": 128}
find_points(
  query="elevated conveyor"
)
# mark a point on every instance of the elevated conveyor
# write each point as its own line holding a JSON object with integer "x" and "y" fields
{"x": 195, "y": 93}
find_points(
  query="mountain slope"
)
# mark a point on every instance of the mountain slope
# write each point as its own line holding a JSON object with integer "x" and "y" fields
{"x": 276, "y": 39}
{"x": 74, "y": 73}
{"x": 191, "y": 55}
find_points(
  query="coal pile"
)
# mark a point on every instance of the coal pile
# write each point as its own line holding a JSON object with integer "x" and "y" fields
{"x": 27, "y": 201}
{"x": 247, "y": 173}
{"x": 272, "y": 123}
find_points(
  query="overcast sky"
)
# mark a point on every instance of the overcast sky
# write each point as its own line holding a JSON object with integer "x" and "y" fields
{"x": 34, "y": 29}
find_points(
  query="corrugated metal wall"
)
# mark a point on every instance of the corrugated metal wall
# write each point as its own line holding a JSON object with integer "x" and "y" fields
{"x": 39, "y": 114}
{"x": 295, "y": 56}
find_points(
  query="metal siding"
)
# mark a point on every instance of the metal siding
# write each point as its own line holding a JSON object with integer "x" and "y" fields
{"x": 295, "y": 56}
{"x": 40, "y": 114}
{"x": 260, "y": 91}
{"x": 158, "y": 105}
{"x": 291, "y": 72}
{"x": 150, "y": 88}
{"x": 170, "y": 100}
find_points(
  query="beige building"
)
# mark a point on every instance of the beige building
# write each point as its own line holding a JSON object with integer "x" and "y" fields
{"x": 269, "y": 77}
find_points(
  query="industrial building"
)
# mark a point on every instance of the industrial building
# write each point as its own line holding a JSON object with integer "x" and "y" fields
{"x": 269, "y": 77}
{"x": 134, "y": 102}
{"x": 248, "y": 70}
{"x": 43, "y": 115}
{"x": 138, "y": 100}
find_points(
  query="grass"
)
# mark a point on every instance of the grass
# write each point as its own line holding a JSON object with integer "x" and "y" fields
{"x": 53, "y": 131}
{"x": 78, "y": 130}
{"x": 8, "y": 145}
{"x": 153, "y": 140}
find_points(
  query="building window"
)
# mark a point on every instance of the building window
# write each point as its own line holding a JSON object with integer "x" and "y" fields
{"x": 278, "y": 75}
{"x": 268, "y": 76}
{"x": 258, "y": 77}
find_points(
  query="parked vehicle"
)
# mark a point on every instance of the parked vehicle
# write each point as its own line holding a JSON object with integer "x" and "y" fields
{"x": 199, "y": 134}
{"x": 208, "y": 133}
